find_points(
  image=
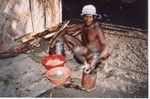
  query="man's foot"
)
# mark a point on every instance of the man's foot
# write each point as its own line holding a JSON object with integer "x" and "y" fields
{"x": 106, "y": 56}
{"x": 106, "y": 73}
{"x": 110, "y": 73}
{"x": 101, "y": 65}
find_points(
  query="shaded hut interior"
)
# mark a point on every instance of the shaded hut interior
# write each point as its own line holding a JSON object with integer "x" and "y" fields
{"x": 132, "y": 13}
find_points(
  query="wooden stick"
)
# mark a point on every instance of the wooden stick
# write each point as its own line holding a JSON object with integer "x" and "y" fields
{"x": 57, "y": 32}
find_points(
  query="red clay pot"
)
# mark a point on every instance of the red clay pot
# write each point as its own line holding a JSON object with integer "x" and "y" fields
{"x": 53, "y": 56}
{"x": 58, "y": 81}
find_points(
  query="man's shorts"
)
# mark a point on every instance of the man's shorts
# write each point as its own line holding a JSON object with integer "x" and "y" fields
{"x": 96, "y": 54}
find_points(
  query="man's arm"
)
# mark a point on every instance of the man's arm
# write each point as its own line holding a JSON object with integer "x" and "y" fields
{"x": 68, "y": 30}
{"x": 105, "y": 48}
{"x": 104, "y": 43}
{"x": 71, "y": 29}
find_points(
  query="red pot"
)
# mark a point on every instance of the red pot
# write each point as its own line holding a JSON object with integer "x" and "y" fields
{"x": 61, "y": 80}
{"x": 52, "y": 57}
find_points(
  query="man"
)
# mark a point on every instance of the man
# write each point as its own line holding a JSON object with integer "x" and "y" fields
{"x": 93, "y": 45}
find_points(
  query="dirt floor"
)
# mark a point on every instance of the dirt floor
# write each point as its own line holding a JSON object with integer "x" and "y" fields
{"x": 128, "y": 66}
{"x": 124, "y": 73}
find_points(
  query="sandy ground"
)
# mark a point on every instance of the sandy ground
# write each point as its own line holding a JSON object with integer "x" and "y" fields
{"x": 22, "y": 76}
{"x": 129, "y": 65}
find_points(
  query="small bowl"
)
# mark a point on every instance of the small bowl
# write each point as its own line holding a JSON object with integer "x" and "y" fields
{"x": 52, "y": 57}
{"x": 61, "y": 79}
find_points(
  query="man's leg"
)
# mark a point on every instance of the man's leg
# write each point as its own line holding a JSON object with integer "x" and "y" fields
{"x": 70, "y": 41}
{"x": 82, "y": 54}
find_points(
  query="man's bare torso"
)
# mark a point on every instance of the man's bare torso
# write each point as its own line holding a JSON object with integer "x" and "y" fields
{"x": 89, "y": 37}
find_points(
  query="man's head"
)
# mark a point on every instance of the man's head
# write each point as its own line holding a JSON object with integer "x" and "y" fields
{"x": 88, "y": 13}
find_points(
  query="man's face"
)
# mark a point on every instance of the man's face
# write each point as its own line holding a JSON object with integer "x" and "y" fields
{"x": 88, "y": 19}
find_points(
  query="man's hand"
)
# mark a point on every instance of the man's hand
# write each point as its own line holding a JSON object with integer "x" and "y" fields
{"x": 93, "y": 63}
{"x": 90, "y": 67}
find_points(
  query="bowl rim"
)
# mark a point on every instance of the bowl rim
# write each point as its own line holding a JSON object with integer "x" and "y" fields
{"x": 52, "y": 55}
{"x": 60, "y": 78}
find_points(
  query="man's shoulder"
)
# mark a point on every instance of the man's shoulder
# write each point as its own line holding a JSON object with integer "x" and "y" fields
{"x": 97, "y": 24}
{"x": 77, "y": 24}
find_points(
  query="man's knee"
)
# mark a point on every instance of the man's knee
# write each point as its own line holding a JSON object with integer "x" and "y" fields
{"x": 79, "y": 50}
{"x": 76, "y": 49}
{"x": 72, "y": 40}
{"x": 67, "y": 37}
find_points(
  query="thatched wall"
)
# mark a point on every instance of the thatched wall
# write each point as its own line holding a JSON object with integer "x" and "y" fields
{"x": 20, "y": 17}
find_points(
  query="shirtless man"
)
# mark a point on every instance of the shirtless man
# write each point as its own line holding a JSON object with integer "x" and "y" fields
{"x": 93, "y": 45}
